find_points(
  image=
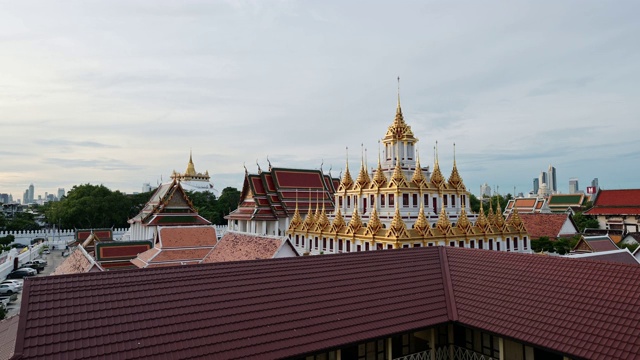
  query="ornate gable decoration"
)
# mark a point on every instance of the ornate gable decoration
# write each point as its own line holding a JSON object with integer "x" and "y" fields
{"x": 363, "y": 179}
{"x": 482, "y": 222}
{"x": 398, "y": 178}
{"x": 296, "y": 220}
{"x": 355, "y": 224}
{"x": 516, "y": 222}
{"x": 463, "y": 223}
{"x": 422, "y": 224}
{"x": 418, "y": 177}
{"x": 379, "y": 180}
{"x": 338, "y": 223}
{"x": 437, "y": 179}
{"x": 398, "y": 228}
{"x": 347, "y": 181}
{"x": 308, "y": 220}
{"x": 322, "y": 221}
{"x": 374, "y": 224}
{"x": 455, "y": 181}
{"x": 499, "y": 218}
{"x": 399, "y": 130}
{"x": 443, "y": 224}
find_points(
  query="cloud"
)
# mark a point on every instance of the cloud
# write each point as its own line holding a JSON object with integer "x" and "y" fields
{"x": 93, "y": 164}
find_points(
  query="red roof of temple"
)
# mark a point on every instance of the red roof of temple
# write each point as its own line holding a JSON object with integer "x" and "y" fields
{"x": 549, "y": 225}
{"x": 616, "y": 202}
{"x": 273, "y": 194}
{"x": 169, "y": 205}
{"x": 235, "y": 246}
{"x": 296, "y": 306}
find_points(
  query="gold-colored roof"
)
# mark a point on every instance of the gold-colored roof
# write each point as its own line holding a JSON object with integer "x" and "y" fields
{"x": 491, "y": 217}
{"x": 399, "y": 130}
{"x": 379, "y": 179}
{"x": 191, "y": 169}
{"x": 515, "y": 221}
{"x": 482, "y": 222}
{"x": 309, "y": 220}
{"x": 398, "y": 179}
{"x": 338, "y": 222}
{"x": 436, "y": 176}
{"x": 443, "y": 224}
{"x": 463, "y": 222}
{"x": 347, "y": 180}
{"x": 363, "y": 179}
{"x": 422, "y": 224}
{"x": 356, "y": 223}
{"x": 374, "y": 224}
{"x": 498, "y": 217}
{"x": 455, "y": 180}
{"x": 397, "y": 228}
{"x": 296, "y": 220}
{"x": 418, "y": 177}
{"x": 322, "y": 221}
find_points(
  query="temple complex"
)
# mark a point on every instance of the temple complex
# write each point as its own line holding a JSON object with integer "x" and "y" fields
{"x": 191, "y": 180}
{"x": 402, "y": 204}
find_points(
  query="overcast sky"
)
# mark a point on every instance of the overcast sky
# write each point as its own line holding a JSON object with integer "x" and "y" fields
{"x": 118, "y": 92}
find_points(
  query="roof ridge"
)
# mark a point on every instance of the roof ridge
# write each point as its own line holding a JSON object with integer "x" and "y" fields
{"x": 452, "y": 310}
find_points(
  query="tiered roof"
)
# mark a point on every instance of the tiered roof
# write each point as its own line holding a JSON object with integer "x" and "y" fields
{"x": 553, "y": 226}
{"x": 274, "y": 194}
{"x": 525, "y": 205}
{"x": 169, "y": 205}
{"x": 298, "y": 306}
{"x": 616, "y": 202}
{"x": 563, "y": 202}
{"x": 178, "y": 245}
{"x": 235, "y": 246}
{"x": 595, "y": 244}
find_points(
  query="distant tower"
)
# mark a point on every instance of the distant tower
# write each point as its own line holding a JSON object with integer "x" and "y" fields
{"x": 543, "y": 179}
{"x": 25, "y": 197}
{"x": 60, "y": 193}
{"x": 536, "y": 185}
{"x": 146, "y": 187}
{"x": 594, "y": 183}
{"x": 485, "y": 190}
{"x": 573, "y": 186}
{"x": 552, "y": 184}
{"x": 31, "y": 193}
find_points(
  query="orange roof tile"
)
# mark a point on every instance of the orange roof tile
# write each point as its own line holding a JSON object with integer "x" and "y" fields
{"x": 549, "y": 225}
{"x": 77, "y": 262}
{"x": 180, "y": 255}
{"x": 187, "y": 236}
{"x": 237, "y": 246}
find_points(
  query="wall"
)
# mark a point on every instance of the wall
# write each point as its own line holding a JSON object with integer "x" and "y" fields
{"x": 55, "y": 237}
{"x": 7, "y": 266}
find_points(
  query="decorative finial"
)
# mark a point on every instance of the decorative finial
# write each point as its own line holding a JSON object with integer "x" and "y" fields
{"x": 246, "y": 172}
{"x": 269, "y": 162}
{"x": 454, "y": 154}
{"x": 259, "y": 169}
{"x": 321, "y": 163}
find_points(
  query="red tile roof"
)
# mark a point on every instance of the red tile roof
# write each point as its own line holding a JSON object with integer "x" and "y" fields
{"x": 235, "y": 246}
{"x": 8, "y": 331}
{"x": 622, "y": 256}
{"x": 79, "y": 261}
{"x": 187, "y": 236}
{"x": 295, "y": 306}
{"x": 549, "y": 225}
{"x": 616, "y": 202}
{"x": 595, "y": 244}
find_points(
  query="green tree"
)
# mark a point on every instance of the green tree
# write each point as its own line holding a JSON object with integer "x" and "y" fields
{"x": 631, "y": 247}
{"x": 3, "y": 221}
{"x": 227, "y": 202}
{"x": 474, "y": 202}
{"x": 22, "y": 221}
{"x": 542, "y": 244}
{"x": 585, "y": 221}
{"x": 206, "y": 204}
{"x": 563, "y": 245}
{"x": 90, "y": 206}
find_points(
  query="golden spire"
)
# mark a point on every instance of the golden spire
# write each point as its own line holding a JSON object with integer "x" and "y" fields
{"x": 422, "y": 224}
{"x": 297, "y": 219}
{"x": 397, "y": 228}
{"x": 322, "y": 221}
{"x": 363, "y": 179}
{"x": 418, "y": 177}
{"x": 455, "y": 180}
{"x": 491, "y": 216}
{"x": 398, "y": 178}
{"x": 443, "y": 224}
{"x": 191, "y": 170}
{"x": 436, "y": 177}
{"x": 338, "y": 222}
{"x": 463, "y": 222}
{"x": 516, "y": 222}
{"x": 356, "y": 223}
{"x": 347, "y": 181}
{"x": 378, "y": 178}
{"x": 399, "y": 130}
{"x": 499, "y": 218}
{"x": 309, "y": 220}
{"x": 374, "y": 224}
{"x": 482, "y": 221}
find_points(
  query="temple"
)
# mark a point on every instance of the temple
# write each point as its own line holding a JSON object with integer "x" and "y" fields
{"x": 402, "y": 204}
{"x": 191, "y": 180}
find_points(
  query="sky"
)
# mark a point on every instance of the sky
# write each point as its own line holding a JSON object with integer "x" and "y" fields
{"x": 119, "y": 92}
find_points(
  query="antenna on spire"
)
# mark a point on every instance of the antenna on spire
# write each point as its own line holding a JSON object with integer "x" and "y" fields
{"x": 454, "y": 154}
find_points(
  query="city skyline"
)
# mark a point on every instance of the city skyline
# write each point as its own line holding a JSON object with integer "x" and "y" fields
{"x": 119, "y": 93}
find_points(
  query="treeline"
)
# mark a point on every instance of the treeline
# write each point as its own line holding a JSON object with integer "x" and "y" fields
{"x": 95, "y": 206}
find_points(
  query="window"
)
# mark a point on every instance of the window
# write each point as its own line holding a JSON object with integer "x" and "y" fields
{"x": 463, "y": 200}
{"x": 348, "y": 201}
{"x": 444, "y": 200}
{"x": 430, "y": 244}
{"x": 490, "y": 244}
{"x": 340, "y": 245}
{"x": 452, "y": 243}
{"x": 355, "y": 201}
{"x": 331, "y": 244}
{"x": 490, "y": 345}
{"x": 382, "y": 200}
{"x": 425, "y": 201}
{"x": 498, "y": 245}
{"x": 417, "y": 245}
{"x": 379, "y": 246}
{"x": 480, "y": 244}
{"x": 515, "y": 243}
{"x": 348, "y": 245}
{"x": 508, "y": 244}
{"x": 405, "y": 246}
{"x": 340, "y": 201}
{"x": 415, "y": 200}
{"x": 373, "y": 200}
{"x": 524, "y": 241}
{"x": 358, "y": 248}
{"x": 324, "y": 244}
{"x": 297, "y": 240}
{"x": 405, "y": 200}
{"x": 453, "y": 200}
{"x": 435, "y": 205}
{"x": 472, "y": 244}
{"x": 461, "y": 243}
{"x": 391, "y": 202}
{"x": 316, "y": 243}
{"x": 366, "y": 246}
{"x": 389, "y": 247}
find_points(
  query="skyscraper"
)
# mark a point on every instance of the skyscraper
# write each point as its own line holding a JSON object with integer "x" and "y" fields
{"x": 536, "y": 185}
{"x": 60, "y": 193}
{"x": 594, "y": 183}
{"x": 543, "y": 179}
{"x": 31, "y": 193}
{"x": 553, "y": 185}
{"x": 573, "y": 186}
{"x": 485, "y": 190}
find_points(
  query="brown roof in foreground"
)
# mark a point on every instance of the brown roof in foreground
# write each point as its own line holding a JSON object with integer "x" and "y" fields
{"x": 8, "y": 331}
{"x": 235, "y": 246}
{"x": 267, "y": 309}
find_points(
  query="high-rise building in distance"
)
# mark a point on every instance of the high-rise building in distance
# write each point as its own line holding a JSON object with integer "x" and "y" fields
{"x": 60, "y": 193}
{"x": 485, "y": 190}
{"x": 553, "y": 184}
{"x": 31, "y": 193}
{"x": 536, "y": 185}
{"x": 573, "y": 186}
